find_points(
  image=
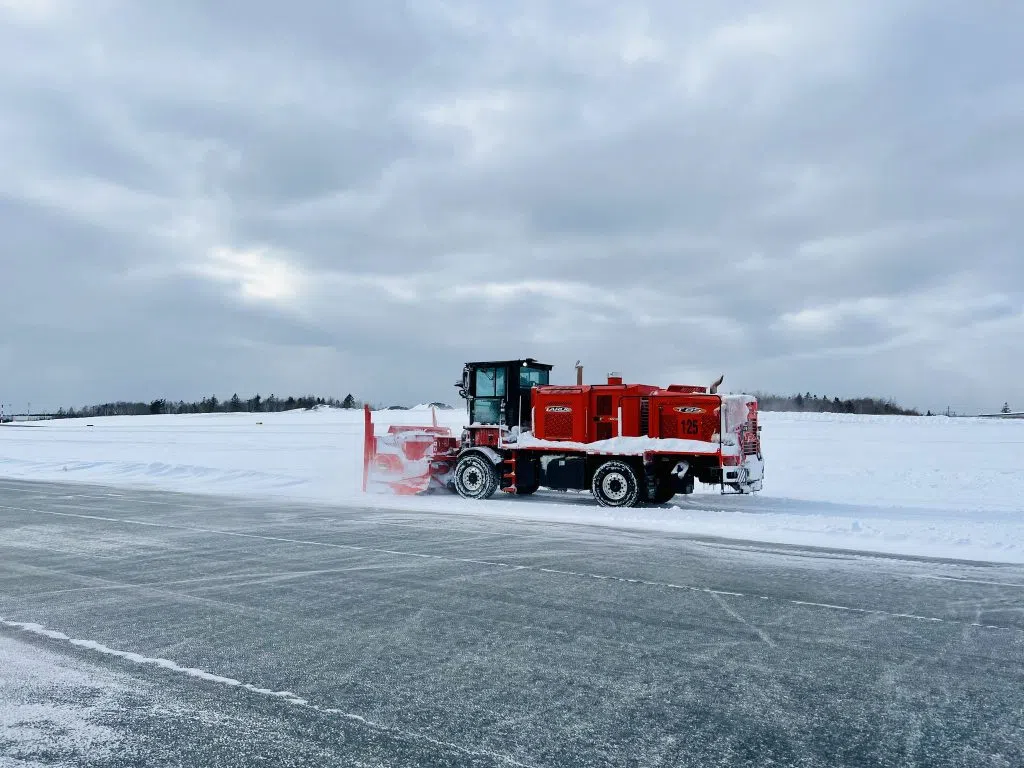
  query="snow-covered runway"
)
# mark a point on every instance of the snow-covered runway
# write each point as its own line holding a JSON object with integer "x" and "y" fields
{"x": 920, "y": 486}
{"x": 145, "y": 627}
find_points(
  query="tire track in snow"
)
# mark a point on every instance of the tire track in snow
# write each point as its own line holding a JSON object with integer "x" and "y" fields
{"x": 964, "y": 580}
{"x": 515, "y": 567}
{"x": 756, "y": 630}
{"x": 285, "y": 696}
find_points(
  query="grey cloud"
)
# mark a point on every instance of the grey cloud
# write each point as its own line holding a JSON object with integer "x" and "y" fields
{"x": 659, "y": 189}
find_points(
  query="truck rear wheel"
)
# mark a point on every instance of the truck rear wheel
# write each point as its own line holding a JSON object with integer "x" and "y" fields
{"x": 527, "y": 488}
{"x": 666, "y": 490}
{"x": 475, "y": 477}
{"x": 615, "y": 485}
{"x": 527, "y": 476}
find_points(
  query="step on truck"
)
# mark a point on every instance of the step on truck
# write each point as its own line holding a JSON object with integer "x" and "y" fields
{"x": 628, "y": 444}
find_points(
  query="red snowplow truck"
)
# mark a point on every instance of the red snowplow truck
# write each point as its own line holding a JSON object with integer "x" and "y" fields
{"x": 629, "y": 444}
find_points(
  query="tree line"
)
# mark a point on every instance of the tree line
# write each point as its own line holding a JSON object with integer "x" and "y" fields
{"x": 272, "y": 404}
{"x": 809, "y": 403}
{"x": 211, "y": 404}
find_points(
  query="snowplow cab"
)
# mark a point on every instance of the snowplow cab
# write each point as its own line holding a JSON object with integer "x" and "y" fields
{"x": 499, "y": 393}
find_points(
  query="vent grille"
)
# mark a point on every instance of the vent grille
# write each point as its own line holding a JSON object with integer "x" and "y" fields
{"x": 669, "y": 426}
{"x": 748, "y": 437}
{"x": 604, "y": 405}
{"x": 557, "y": 426}
{"x": 604, "y": 431}
{"x": 645, "y": 416}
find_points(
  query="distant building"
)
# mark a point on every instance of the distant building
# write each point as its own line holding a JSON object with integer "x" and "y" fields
{"x": 21, "y": 417}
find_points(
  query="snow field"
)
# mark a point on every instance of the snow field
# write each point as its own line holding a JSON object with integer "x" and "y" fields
{"x": 904, "y": 485}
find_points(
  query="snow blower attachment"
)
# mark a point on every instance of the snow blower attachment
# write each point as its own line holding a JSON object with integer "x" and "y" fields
{"x": 407, "y": 459}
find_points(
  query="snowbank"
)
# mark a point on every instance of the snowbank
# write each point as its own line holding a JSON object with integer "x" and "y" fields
{"x": 919, "y": 486}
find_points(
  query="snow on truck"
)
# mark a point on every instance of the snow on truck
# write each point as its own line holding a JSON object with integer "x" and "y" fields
{"x": 628, "y": 444}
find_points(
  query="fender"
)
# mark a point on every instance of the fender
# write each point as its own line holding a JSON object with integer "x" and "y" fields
{"x": 492, "y": 455}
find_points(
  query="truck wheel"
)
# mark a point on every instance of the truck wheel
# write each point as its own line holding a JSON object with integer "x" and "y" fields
{"x": 666, "y": 490}
{"x": 527, "y": 489}
{"x": 475, "y": 477}
{"x": 615, "y": 485}
{"x": 527, "y": 476}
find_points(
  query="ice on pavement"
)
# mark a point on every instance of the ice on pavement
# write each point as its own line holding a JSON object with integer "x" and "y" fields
{"x": 64, "y": 709}
{"x": 39, "y": 630}
{"x": 38, "y": 727}
{"x": 935, "y": 486}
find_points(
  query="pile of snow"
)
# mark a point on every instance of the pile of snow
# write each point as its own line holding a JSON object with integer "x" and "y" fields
{"x": 634, "y": 446}
{"x": 949, "y": 487}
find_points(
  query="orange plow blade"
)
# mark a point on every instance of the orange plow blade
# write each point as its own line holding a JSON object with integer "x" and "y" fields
{"x": 407, "y": 460}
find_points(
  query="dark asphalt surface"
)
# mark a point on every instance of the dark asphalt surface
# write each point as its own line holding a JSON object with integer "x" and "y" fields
{"x": 426, "y": 640}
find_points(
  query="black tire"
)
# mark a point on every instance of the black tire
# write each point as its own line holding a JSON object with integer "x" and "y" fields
{"x": 527, "y": 476}
{"x": 475, "y": 477}
{"x": 615, "y": 485}
{"x": 666, "y": 490}
{"x": 527, "y": 489}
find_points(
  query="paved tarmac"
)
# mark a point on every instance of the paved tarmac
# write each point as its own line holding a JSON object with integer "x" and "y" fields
{"x": 151, "y": 628}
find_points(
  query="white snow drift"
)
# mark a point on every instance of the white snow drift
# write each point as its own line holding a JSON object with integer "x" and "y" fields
{"x": 921, "y": 486}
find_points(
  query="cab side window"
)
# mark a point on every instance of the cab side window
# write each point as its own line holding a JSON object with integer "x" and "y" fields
{"x": 528, "y": 377}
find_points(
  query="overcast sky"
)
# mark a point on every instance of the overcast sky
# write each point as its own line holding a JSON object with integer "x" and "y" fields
{"x": 340, "y": 196}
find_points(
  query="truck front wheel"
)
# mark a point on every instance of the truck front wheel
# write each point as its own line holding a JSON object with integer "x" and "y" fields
{"x": 615, "y": 485}
{"x": 475, "y": 477}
